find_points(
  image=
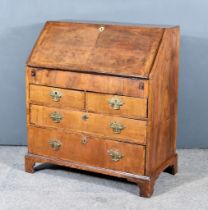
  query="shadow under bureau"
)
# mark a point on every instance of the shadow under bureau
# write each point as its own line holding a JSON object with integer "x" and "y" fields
{"x": 103, "y": 98}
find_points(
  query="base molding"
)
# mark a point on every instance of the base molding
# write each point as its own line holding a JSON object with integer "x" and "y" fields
{"x": 145, "y": 183}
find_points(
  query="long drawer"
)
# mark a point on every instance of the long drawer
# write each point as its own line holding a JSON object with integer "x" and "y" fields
{"x": 105, "y": 125}
{"x": 88, "y": 82}
{"x": 87, "y": 150}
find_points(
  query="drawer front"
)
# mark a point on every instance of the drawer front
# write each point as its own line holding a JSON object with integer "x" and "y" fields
{"x": 88, "y": 82}
{"x": 56, "y": 97}
{"x": 118, "y": 105}
{"x": 114, "y": 127}
{"x": 87, "y": 150}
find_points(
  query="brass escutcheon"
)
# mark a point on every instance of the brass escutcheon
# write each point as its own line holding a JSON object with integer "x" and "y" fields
{"x": 116, "y": 127}
{"x": 56, "y": 95}
{"x": 115, "y": 103}
{"x": 101, "y": 28}
{"x": 55, "y": 144}
{"x": 84, "y": 140}
{"x": 85, "y": 116}
{"x": 56, "y": 117}
{"x": 116, "y": 155}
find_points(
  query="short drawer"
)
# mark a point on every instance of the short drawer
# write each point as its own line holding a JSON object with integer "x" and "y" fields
{"x": 105, "y": 125}
{"x": 117, "y": 105}
{"x": 56, "y": 97}
{"x": 87, "y": 150}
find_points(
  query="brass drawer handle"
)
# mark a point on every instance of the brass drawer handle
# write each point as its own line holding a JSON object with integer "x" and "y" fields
{"x": 56, "y": 95}
{"x": 115, "y": 103}
{"x": 55, "y": 144}
{"x": 116, "y": 127}
{"x": 116, "y": 155}
{"x": 56, "y": 117}
{"x": 84, "y": 140}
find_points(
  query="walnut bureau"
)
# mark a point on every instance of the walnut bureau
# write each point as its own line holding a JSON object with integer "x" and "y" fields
{"x": 103, "y": 98}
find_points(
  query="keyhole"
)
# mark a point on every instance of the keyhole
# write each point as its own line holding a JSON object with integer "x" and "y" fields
{"x": 33, "y": 73}
{"x": 85, "y": 117}
{"x": 101, "y": 28}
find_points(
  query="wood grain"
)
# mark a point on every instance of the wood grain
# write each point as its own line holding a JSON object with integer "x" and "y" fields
{"x": 69, "y": 98}
{"x": 118, "y": 50}
{"x": 132, "y": 107}
{"x": 134, "y": 131}
{"x": 27, "y": 96}
{"x": 73, "y": 149}
{"x": 145, "y": 183}
{"x": 88, "y": 82}
{"x": 138, "y": 65}
{"x": 163, "y": 100}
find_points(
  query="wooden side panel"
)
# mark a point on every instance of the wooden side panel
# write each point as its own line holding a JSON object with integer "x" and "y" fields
{"x": 94, "y": 152}
{"x": 134, "y": 131}
{"x": 163, "y": 97}
{"x": 88, "y": 82}
{"x": 130, "y": 107}
{"x": 117, "y": 50}
{"x": 27, "y": 94}
{"x": 68, "y": 98}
